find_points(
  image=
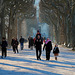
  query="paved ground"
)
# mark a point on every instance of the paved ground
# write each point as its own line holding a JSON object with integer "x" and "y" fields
{"x": 25, "y": 63}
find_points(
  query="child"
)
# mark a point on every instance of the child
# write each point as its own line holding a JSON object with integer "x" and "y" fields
{"x": 56, "y": 51}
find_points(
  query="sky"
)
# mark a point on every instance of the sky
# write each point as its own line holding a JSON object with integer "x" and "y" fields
{"x": 37, "y": 2}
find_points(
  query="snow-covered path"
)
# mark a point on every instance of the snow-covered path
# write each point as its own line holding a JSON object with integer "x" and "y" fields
{"x": 25, "y": 63}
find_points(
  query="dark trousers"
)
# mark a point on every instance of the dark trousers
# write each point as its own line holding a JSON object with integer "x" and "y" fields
{"x": 21, "y": 45}
{"x": 48, "y": 55}
{"x": 38, "y": 53}
{"x": 4, "y": 51}
{"x": 15, "y": 48}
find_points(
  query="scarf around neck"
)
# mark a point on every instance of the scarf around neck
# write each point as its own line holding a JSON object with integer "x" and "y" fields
{"x": 47, "y": 41}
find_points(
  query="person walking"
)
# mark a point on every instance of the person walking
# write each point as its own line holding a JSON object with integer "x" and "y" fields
{"x": 48, "y": 48}
{"x": 38, "y": 43}
{"x": 21, "y": 42}
{"x": 4, "y": 47}
{"x": 56, "y": 51}
{"x": 15, "y": 45}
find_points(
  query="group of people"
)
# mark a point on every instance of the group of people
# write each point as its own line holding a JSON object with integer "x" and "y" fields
{"x": 36, "y": 42}
{"x": 15, "y": 43}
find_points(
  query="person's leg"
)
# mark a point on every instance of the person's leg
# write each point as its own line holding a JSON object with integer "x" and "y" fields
{"x": 5, "y": 52}
{"x": 29, "y": 44}
{"x": 2, "y": 53}
{"x": 21, "y": 46}
{"x": 56, "y": 56}
{"x": 17, "y": 49}
{"x": 49, "y": 55}
{"x": 40, "y": 54}
{"x": 46, "y": 55}
{"x": 37, "y": 53}
{"x": 14, "y": 49}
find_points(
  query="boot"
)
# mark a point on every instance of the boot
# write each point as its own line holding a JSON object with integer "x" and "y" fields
{"x": 55, "y": 58}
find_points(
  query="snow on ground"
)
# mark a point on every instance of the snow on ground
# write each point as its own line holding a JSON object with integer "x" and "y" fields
{"x": 25, "y": 63}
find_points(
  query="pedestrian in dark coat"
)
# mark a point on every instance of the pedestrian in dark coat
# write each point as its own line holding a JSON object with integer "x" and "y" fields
{"x": 4, "y": 47}
{"x": 15, "y": 45}
{"x": 21, "y": 42}
{"x": 48, "y": 48}
{"x": 38, "y": 43}
{"x": 56, "y": 51}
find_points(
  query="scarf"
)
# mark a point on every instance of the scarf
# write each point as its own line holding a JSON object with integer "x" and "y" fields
{"x": 47, "y": 41}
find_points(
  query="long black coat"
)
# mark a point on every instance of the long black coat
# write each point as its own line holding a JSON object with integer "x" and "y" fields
{"x": 49, "y": 46}
{"x": 38, "y": 43}
{"x": 14, "y": 43}
{"x": 4, "y": 44}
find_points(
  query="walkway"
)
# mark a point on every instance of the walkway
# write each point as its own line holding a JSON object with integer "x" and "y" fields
{"x": 25, "y": 63}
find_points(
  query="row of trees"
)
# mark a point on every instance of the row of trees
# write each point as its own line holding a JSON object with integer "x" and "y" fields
{"x": 12, "y": 12}
{"x": 61, "y": 15}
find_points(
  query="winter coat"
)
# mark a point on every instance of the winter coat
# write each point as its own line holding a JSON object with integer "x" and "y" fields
{"x": 15, "y": 43}
{"x": 56, "y": 50}
{"x": 21, "y": 40}
{"x": 38, "y": 43}
{"x": 4, "y": 44}
{"x": 49, "y": 46}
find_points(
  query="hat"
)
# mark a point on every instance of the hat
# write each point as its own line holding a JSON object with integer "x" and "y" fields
{"x": 37, "y": 30}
